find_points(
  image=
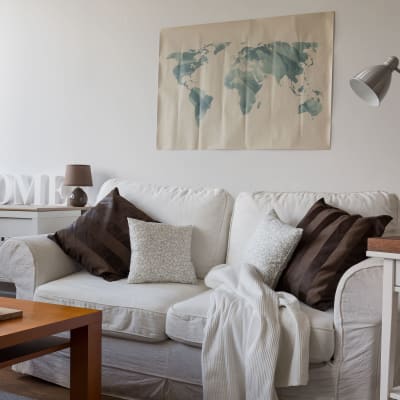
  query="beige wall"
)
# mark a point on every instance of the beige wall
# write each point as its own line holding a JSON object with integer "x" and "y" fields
{"x": 78, "y": 83}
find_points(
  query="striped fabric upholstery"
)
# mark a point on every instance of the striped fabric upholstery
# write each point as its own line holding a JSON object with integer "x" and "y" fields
{"x": 332, "y": 242}
{"x": 99, "y": 239}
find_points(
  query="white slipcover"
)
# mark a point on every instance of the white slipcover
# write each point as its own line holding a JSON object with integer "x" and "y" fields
{"x": 31, "y": 261}
{"x": 207, "y": 210}
{"x": 292, "y": 206}
{"x": 133, "y": 311}
{"x": 134, "y": 370}
{"x": 186, "y": 321}
{"x": 172, "y": 371}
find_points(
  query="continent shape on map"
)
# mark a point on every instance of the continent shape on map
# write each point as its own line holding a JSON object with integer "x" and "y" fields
{"x": 278, "y": 59}
{"x": 188, "y": 62}
{"x": 248, "y": 72}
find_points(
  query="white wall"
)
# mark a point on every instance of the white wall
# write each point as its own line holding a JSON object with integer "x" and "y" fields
{"x": 78, "y": 83}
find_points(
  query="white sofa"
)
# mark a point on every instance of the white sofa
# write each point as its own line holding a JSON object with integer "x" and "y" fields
{"x": 152, "y": 333}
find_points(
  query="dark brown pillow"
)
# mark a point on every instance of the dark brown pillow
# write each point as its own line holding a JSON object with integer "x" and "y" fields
{"x": 99, "y": 239}
{"x": 332, "y": 242}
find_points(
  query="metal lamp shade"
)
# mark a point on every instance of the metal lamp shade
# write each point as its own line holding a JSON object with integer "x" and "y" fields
{"x": 372, "y": 84}
{"x": 78, "y": 175}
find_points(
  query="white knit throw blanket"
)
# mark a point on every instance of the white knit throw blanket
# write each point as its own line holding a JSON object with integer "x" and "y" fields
{"x": 241, "y": 344}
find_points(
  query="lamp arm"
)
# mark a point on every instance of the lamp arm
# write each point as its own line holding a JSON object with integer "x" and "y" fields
{"x": 398, "y": 70}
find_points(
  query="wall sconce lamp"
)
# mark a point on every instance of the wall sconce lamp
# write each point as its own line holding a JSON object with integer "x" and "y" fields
{"x": 372, "y": 83}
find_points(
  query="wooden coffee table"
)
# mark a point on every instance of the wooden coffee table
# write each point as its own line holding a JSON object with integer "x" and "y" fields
{"x": 29, "y": 337}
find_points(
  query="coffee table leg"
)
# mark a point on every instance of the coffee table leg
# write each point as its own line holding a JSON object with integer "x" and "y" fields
{"x": 86, "y": 362}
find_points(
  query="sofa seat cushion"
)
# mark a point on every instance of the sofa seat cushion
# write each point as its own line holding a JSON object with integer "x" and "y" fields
{"x": 133, "y": 311}
{"x": 186, "y": 321}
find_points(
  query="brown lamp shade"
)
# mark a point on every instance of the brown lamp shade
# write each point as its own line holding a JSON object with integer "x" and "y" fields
{"x": 78, "y": 175}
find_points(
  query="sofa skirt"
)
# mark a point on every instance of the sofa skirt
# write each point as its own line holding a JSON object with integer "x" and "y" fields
{"x": 132, "y": 370}
{"x": 169, "y": 371}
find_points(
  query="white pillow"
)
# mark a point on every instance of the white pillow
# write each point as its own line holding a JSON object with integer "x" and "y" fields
{"x": 160, "y": 253}
{"x": 271, "y": 246}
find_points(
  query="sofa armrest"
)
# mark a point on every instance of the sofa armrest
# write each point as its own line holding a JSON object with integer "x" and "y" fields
{"x": 357, "y": 320}
{"x": 359, "y": 295}
{"x": 30, "y": 261}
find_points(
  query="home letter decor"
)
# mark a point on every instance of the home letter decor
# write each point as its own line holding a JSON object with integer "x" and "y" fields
{"x": 41, "y": 189}
{"x": 256, "y": 84}
{"x": 56, "y": 192}
{"x": 6, "y": 186}
{"x": 26, "y": 189}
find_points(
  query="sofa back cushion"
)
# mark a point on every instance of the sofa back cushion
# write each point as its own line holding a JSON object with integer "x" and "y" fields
{"x": 207, "y": 210}
{"x": 291, "y": 207}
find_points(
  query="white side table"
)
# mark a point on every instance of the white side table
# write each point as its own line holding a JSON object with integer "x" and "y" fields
{"x": 389, "y": 250}
{"x": 35, "y": 220}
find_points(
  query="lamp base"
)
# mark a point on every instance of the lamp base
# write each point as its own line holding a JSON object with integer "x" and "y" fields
{"x": 77, "y": 198}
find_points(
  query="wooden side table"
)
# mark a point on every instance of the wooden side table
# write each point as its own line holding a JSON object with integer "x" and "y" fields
{"x": 389, "y": 249}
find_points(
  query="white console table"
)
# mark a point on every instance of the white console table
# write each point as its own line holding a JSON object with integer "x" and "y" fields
{"x": 389, "y": 250}
{"x": 35, "y": 220}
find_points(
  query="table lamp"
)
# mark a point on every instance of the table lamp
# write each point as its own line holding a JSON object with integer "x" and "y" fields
{"x": 78, "y": 175}
{"x": 372, "y": 83}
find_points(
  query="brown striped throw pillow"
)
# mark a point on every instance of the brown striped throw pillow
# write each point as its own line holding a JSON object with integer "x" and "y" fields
{"x": 332, "y": 242}
{"x": 99, "y": 239}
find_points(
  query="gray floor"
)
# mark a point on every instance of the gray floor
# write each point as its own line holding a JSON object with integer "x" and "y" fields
{"x": 32, "y": 388}
{"x": 10, "y": 396}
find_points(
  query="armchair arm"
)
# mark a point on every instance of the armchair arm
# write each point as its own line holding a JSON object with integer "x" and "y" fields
{"x": 359, "y": 295}
{"x": 30, "y": 261}
{"x": 357, "y": 320}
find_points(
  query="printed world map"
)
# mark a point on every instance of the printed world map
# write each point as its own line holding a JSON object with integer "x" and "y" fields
{"x": 248, "y": 72}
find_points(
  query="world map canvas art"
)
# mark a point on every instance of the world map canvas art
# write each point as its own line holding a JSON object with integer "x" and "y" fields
{"x": 255, "y": 84}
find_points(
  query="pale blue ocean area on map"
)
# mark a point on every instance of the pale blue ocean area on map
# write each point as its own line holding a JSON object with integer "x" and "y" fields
{"x": 248, "y": 72}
